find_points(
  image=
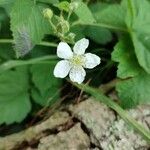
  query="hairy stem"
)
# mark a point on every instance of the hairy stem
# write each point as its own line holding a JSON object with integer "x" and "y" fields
{"x": 43, "y": 43}
{"x": 14, "y": 63}
{"x": 102, "y": 25}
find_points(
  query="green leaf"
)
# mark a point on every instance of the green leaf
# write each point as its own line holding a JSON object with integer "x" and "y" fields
{"x": 109, "y": 14}
{"x": 4, "y": 2}
{"x": 28, "y": 25}
{"x": 84, "y": 13}
{"x": 99, "y": 35}
{"x": 134, "y": 91}
{"x": 124, "y": 54}
{"x": 138, "y": 22}
{"x": 14, "y": 96}
{"x": 46, "y": 90}
{"x": 142, "y": 52}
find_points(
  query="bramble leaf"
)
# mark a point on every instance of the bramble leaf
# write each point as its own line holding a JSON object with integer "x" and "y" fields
{"x": 14, "y": 97}
{"x": 46, "y": 90}
{"x": 109, "y": 14}
{"x": 138, "y": 22}
{"x": 134, "y": 91}
{"x": 84, "y": 13}
{"x": 99, "y": 35}
{"x": 28, "y": 25}
{"x": 124, "y": 54}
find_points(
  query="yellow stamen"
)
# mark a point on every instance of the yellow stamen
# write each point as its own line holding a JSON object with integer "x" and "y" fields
{"x": 77, "y": 60}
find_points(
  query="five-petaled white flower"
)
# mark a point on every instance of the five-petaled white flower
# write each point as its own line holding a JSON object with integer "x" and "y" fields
{"x": 75, "y": 62}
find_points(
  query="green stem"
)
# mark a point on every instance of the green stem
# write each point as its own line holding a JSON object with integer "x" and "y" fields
{"x": 102, "y": 25}
{"x": 110, "y": 103}
{"x": 47, "y": 44}
{"x": 69, "y": 15}
{"x": 34, "y": 2}
{"x": 14, "y": 63}
{"x": 53, "y": 26}
{"x": 42, "y": 43}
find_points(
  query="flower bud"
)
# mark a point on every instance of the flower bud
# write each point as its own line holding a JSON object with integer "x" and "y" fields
{"x": 74, "y": 5}
{"x": 71, "y": 36}
{"x": 48, "y": 13}
{"x": 63, "y": 26}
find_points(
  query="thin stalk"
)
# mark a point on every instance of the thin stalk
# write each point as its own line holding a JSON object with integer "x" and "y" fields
{"x": 102, "y": 25}
{"x": 69, "y": 15}
{"x": 42, "y": 43}
{"x": 14, "y": 63}
{"x": 34, "y": 2}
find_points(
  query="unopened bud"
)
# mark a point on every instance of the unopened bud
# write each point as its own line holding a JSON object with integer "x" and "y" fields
{"x": 71, "y": 36}
{"x": 63, "y": 26}
{"x": 74, "y": 5}
{"x": 48, "y": 13}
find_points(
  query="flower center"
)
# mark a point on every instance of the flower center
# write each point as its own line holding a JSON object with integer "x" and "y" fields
{"x": 77, "y": 60}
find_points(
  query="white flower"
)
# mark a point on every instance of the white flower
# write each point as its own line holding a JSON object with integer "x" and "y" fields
{"x": 75, "y": 62}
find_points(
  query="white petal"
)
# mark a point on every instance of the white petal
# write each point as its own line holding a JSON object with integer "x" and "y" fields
{"x": 80, "y": 46}
{"x": 64, "y": 51}
{"x": 62, "y": 69}
{"x": 77, "y": 74}
{"x": 91, "y": 60}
